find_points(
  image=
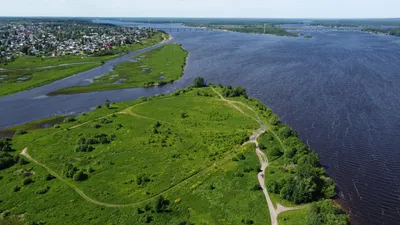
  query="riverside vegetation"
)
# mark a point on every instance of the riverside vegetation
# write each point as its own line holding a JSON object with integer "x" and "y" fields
{"x": 27, "y": 72}
{"x": 179, "y": 158}
{"x": 156, "y": 67}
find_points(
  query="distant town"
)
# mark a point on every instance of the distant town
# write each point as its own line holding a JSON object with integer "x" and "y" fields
{"x": 58, "y": 38}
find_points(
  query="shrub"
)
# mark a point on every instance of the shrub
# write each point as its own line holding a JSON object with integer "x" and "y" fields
{"x": 247, "y": 221}
{"x": 84, "y": 148}
{"x": 105, "y": 121}
{"x": 57, "y": 126}
{"x": 118, "y": 126}
{"x": 162, "y": 204}
{"x": 199, "y": 82}
{"x": 16, "y": 188}
{"x": 184, "y": 115}
{"x": 69, "y": 120}
{"x": 98, "y": 107}
{"x": 275, "y": 151}
{"x": 6, "y": 160}
{"x": 23, "y": 161}
{"x": 80, "y": 176}
{"x": 273, "y": 187}
{"x": 107, "y": 103}
{"x": 142, "y": 179}
{"x": 96, "y": 126}
{"x": 256, "y": 187}
{"x": 43, "y": 190}
{"x": 49, "y": 177}
{"x": 69, "y": 170}
{"x": 27, "y": 181}
{"x": 21, "y": 132}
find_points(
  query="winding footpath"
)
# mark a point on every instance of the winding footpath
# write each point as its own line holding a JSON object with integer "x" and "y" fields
{"x": 273, "y": 212}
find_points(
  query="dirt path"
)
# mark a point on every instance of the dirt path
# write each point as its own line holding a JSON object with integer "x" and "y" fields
{"x": 273, "y": 212}
{"x": 25, "y": 153}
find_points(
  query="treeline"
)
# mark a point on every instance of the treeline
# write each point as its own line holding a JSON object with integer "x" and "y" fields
{"x": 6, "y": 159}
{"x": 303, "y": 180}
{"x": 392, "y": 31}
{"x": 326, "y": 213}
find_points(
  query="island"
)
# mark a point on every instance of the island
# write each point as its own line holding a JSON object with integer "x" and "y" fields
{"x": 205, "y": 154}
{"x": 36, "y": 52}
{"x": 154, "y": 68}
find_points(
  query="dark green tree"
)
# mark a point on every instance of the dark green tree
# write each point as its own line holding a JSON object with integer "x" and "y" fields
{"x": 199, "y": 82}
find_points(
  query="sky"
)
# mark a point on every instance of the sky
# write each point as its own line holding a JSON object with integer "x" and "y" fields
{"x": 205, "y": 8}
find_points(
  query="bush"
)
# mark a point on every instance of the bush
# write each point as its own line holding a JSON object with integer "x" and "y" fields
{"x": 23, "y": 161}
{"x": 27, "y": 181}
{"x": 275, "y": 151}
{"x": 6, "y": 160}
{"x": 96, "y": 126}
{"x": 49, "y": 177}
{"x": 21, "y": 132}
{"x": 43, "y": 190}
{"x": 118, "y": 126}
{"x": 80, "y": 176}
{"x": 273, "y": 187}
{"x": 162, "y": 204}
{"x": 69, "y": 170}
{"x": 84, "y": 148}
{"x": 199, "y": 82}
{"x": 326, "y": 212}
{"x": 105, "y": 121}
{"x": 256, "y": 187}
{"x": 107, "y": 103}
{"x": 16, "y": 188}
{"x": 69, "y": 120}
{"x": 236, "y": 92}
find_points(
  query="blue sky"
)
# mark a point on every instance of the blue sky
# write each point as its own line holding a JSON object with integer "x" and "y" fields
{"x": 205, "y": 8}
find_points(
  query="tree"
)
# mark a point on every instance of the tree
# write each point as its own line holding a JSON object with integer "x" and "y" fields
{"x": 80, "y": 176}
{"x": 162, "y": 204}
{"x": 199, "y": 82}
{"x": 107, "y": 104}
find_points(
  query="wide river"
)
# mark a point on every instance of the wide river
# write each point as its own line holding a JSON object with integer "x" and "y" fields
{"x": 339, "y": 90}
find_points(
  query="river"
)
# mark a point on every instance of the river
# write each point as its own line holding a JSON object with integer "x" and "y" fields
{"x": 338, "y": 90}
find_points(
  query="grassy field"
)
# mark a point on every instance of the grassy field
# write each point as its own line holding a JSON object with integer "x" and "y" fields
{"x": 295, "y": 217}
{"x": 159, "y": 66}
{"x": 179, "y": 158}
{"x": 181, "y": 146}
{"x": 28, "y": 72}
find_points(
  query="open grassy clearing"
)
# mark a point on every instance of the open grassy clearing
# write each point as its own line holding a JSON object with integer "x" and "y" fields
{"x": 294, "y": 217}
{"x": 157, "y": 67}
{"x": 28, "y": 72}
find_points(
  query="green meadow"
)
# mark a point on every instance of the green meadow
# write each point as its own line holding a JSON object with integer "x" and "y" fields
{"x": 28, "y": 72}
{"x": 156, "y": 67}
{"x": 180, "y": 158}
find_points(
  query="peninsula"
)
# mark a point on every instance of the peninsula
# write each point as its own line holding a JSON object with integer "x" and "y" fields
{"x": 203, "y": 154}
